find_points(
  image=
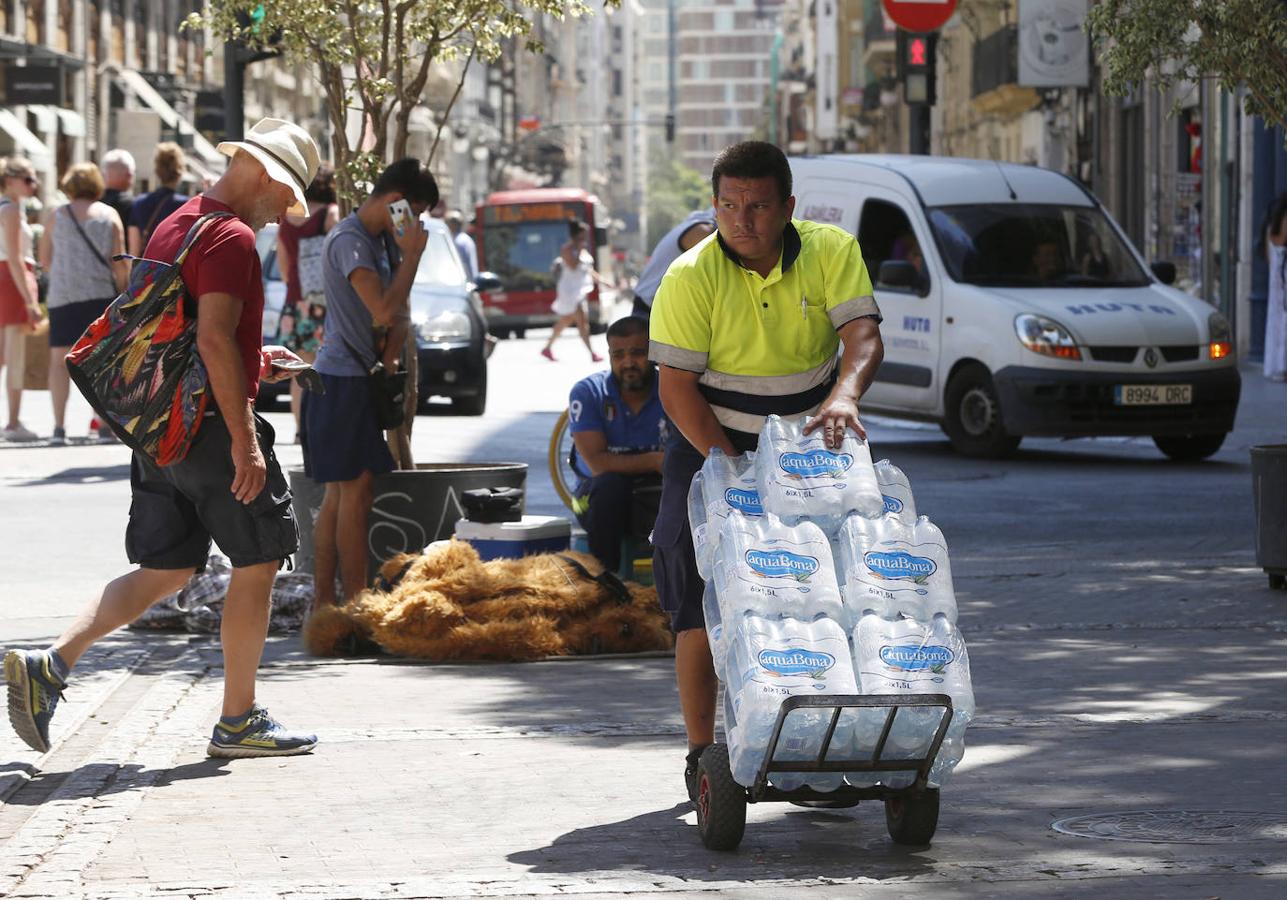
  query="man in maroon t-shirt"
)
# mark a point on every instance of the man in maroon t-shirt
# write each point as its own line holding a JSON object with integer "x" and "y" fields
{"x": 229, "y": 487}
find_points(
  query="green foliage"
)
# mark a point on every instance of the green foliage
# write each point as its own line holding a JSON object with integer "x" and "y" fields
{"x": 674, "y": 190}
{"x": 1237, "y": 42}
{"x": 374, "y": 55}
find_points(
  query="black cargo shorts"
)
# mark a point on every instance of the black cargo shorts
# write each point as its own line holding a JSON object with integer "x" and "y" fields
{"x": 176, "y": 510}
{"x": 674, "y": 561}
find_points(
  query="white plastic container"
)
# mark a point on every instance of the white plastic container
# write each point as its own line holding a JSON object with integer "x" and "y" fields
{"x": 510, "y": 540}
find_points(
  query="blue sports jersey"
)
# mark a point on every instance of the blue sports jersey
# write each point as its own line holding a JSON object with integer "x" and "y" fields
{"x": 595, "y": 404}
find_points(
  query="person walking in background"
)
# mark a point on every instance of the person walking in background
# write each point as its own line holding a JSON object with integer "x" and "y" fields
{"x": 77, "y": 251}
{"x": 118, "y": 182}
{"x": 299, "y": 257}
{"x": 465, "y": 245}
{"x": 576, "y": 278}
{"x": 367, "y": 288}
{"x": 229, "y": 486}
{"x": 1274, "y": 236}
{"x": 20, "y": 312}
{"x": 152, "y": 208}
{"x": 696, "y": 227}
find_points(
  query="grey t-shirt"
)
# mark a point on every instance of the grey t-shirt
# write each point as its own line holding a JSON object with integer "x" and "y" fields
{"x": 350, "y": 246}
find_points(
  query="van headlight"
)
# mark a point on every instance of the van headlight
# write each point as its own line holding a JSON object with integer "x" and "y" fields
{"x": 1220, "y": 336}
{"x": 443, "y": 327}
{"x": 1046, "y": 336}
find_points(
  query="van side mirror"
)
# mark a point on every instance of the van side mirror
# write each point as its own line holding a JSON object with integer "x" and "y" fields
{"x": 899, "y": 273}
{"x": 487, "y": 281}
{"x": 1165, "y": 271}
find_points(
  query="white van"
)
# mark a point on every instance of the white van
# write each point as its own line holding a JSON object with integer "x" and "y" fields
{"x": 1014, "y": 305}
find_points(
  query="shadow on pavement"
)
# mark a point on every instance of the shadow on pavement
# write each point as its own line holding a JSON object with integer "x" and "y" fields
{"x": 100, "y": 779}
{"x": 81, "y": 475}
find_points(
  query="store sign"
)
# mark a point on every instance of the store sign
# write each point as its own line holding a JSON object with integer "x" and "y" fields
{"x": 1053, "y": 48}
{"x": 25, "y": 85}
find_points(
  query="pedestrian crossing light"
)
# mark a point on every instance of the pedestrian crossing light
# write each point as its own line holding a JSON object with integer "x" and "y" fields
{"x": 916, "y": 65}
{"x": 670, "y": 128}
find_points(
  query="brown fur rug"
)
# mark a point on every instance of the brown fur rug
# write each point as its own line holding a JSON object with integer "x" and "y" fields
{"x": 446, "y": 604}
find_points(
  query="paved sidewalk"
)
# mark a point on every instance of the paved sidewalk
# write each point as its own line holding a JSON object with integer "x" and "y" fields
{"x": 1112, "y": 676}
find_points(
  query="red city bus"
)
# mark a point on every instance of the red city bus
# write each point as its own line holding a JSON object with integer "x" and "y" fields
{"x": 518, "y": 234}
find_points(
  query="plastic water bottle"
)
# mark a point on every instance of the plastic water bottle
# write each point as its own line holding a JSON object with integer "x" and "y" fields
{"x": 715, "y": 630}
{"x": 724, "y": 484}
{"x": 769, "y": 568}
{"x": 903, "y": 656}
{"x": 896, "y": 491}
{"x": 801, "y": 478}
{"x": 895, "y": 568}
{"x": 769, "y": 660}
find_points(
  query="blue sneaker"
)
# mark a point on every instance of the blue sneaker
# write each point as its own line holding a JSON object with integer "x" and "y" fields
{"x": 34, "y": 692}
{"x": 257, "y": 735}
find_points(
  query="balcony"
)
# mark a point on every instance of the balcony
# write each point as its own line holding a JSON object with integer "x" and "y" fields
{"x": 878, "y": 42}
{"x": 995, "y": 88}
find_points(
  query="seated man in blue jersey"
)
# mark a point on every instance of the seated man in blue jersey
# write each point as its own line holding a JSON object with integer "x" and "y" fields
{"x": 617, "y": 425}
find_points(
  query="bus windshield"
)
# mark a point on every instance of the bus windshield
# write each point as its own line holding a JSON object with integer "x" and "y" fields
{"x": 1033, "y": 244}
{"x": 522, "y": 254}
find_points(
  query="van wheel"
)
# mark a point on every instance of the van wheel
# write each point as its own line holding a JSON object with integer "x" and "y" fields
{"x": 1189, "y": 447}
{"x": 973, "y": 422}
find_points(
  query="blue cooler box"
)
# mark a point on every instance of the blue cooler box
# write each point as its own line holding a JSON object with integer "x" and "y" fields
{"x": 510, "y": 540}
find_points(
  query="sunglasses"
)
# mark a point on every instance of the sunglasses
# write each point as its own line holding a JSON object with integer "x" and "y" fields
{"x": 28, "y": 179}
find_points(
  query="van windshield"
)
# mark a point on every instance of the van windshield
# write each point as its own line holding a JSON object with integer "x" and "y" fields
{"x": 1033, "y": 244}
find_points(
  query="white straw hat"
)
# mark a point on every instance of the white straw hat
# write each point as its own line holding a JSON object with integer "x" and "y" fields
{"x": 287, "y": 154}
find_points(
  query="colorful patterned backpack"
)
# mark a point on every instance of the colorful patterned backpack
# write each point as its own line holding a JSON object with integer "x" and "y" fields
{"x": 138, "y": 365}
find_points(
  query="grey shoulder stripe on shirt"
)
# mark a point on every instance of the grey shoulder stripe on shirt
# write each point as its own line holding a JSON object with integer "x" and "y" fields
{"x": 857, "y": 308}
{"x": 677, "y": 357}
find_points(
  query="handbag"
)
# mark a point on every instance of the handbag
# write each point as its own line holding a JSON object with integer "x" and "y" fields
{"x": 388, "y": 390}
{"x": 93, "y": 249}
{"x": 137, "y": 364}
{"x": 312, "y": 285}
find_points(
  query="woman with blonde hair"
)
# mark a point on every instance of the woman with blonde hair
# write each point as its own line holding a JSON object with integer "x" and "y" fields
{"x": 153, "y": 208}
{"x": 80, "y": 241}
{"x": 19, "y": 297}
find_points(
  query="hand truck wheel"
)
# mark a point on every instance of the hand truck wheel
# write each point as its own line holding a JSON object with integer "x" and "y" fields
{"x": 721, "y": 801}
{"x": 912, "y": 818}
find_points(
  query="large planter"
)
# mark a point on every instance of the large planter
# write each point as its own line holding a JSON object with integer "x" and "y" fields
{"x": 412, "y": 508}
{"x": 1269, "y": 489}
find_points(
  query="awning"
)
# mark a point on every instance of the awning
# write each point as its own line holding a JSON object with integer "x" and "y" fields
{"x": 202, "y": 149}
{"x": 71, "y": 122}
{"x": 25, "y": 142}
{"x": 46, "y": 119}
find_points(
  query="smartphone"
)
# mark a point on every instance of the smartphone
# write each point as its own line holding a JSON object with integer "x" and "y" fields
{"x": 400, "y": 210}
{"x": 290, "y": 365}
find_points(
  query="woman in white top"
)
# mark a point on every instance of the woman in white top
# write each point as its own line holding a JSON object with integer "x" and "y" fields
{"x": 1275, "y": 237}
{"x": 81, "y": 238}
{"x": 19, "y": 298}
{"x": 576, "y": 278}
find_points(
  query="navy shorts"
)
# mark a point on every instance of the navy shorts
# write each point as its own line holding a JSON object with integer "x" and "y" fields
{"x": 340, "y": 434}
{"x": 176, "y": 510}
{"x": 674, "y": 562}
{"x": 67, "y": 323}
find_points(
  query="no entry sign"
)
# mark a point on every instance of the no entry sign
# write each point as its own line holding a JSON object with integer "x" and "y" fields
{"x": 920, "y": 15}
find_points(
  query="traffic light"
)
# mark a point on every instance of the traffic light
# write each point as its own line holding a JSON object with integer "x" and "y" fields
{"x": 670, "y": 128}
{"x": 917, "y": 58}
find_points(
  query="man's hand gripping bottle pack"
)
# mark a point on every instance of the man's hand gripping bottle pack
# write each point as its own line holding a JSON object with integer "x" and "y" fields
{"x": 822, "y": 580}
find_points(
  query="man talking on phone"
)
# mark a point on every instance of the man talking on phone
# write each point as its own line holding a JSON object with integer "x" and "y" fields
{"x": 368, "y": 265}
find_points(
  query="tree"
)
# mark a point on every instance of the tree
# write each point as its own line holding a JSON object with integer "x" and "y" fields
{"x": 374, "y": 57}
{"x": 1238, "y": 42}
{"x": 674, "y": 190}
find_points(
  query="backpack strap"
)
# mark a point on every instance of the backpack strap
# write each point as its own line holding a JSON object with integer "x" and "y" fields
{"x": 198, "y": 227}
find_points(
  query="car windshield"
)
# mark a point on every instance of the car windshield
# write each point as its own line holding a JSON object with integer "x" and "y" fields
{"x": 523, "y": 254}
{"x": 439, "y": 264}
{"x": 1030, "y": 244}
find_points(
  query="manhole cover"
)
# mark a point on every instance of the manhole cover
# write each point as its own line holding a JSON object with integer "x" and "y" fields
{"x": 1178, "y": 826}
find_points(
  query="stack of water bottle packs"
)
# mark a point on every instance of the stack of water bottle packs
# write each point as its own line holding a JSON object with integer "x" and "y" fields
{"x": 820, "y": 579}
